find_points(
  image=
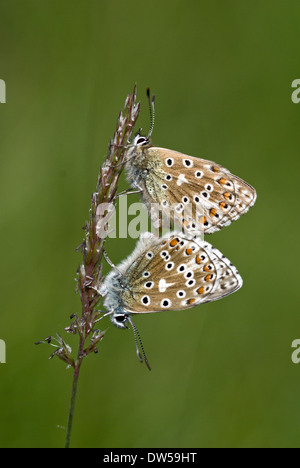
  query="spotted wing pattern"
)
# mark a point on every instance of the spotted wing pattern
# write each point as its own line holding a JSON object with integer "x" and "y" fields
{"x": 216, "y": 196}
{"x": 176, "y": 273}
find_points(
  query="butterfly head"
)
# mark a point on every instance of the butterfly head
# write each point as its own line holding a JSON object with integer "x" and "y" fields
{"x": 119, "y": 318}
{"x": 140, "y": 140}
{"x": 114, "y": 283}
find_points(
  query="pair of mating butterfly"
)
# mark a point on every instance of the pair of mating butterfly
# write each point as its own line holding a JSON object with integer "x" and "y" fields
{"x": 179, "y": 270}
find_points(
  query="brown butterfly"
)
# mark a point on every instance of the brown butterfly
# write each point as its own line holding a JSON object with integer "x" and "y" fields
{"x": 173, "y": 272}
{"x": 201, "y": 195}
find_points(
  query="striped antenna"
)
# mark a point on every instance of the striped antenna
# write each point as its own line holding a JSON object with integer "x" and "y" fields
{"x": 152, "y": 111}
{"x": 137, "y": 340}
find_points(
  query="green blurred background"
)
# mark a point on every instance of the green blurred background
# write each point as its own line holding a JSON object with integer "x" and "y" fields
{"x": 222, "y": 72}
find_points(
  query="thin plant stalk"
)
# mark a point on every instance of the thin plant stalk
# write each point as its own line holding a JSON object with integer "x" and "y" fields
{"x": 72, "y": 406}
{"x": 90, "y": 271}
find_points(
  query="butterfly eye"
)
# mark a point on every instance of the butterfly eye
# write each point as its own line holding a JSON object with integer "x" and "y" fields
{"x": 141, "y": 141}
{"x": 119, "y": 320}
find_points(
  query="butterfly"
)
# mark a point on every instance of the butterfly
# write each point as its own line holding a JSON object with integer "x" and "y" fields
{"x": 200, "y": 195}
{"x": 173, "y": 272}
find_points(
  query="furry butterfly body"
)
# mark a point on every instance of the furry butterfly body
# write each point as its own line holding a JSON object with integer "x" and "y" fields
{"x": 175, "y": 182}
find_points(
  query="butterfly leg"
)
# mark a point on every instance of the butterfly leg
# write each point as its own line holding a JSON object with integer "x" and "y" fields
{"x": 105, "y": 314}
{"x": 128, "y": 192}
{"x": 110, "y": 262}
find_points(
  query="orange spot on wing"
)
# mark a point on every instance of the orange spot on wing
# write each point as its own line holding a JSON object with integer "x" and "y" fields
{"x": 191, "y": 301}
{"x": 202, "y": 219}
{"x": 222, "y": 181}
{"x": 189, "y": 251}
{"x": 198, "y": 259}
{"x": 173, "y": 242}
{"x": 206, "y": 268}
{"x": 207, "y": 277}
{"x": 223, "y": 205}
{"x": 227, "y": 196}
{"x": 201, "y": 290}
{"x": 213, "y": 212}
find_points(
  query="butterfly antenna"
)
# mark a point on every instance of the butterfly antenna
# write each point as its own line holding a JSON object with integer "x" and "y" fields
{"x": 152, "y": 111}
{"x": 138, "y": 341}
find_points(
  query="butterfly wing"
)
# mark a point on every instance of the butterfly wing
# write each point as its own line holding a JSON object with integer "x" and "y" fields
{"x": 176, "y": 273}
{"x": 215, "y": 196}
